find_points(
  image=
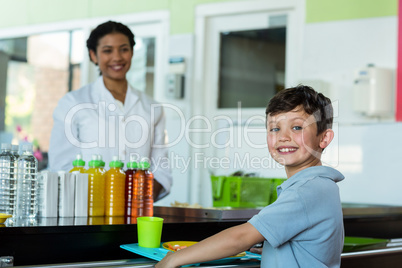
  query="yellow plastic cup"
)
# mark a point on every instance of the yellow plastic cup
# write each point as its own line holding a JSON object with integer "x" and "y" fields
{"x": 149, "y": 231}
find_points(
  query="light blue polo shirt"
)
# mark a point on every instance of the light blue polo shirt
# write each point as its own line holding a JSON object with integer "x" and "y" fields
{"x": 304, "y": 227}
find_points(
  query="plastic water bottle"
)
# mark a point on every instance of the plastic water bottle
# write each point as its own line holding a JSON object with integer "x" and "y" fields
{"x": 7, "y": 179}
{"x": 15, "y": 151}
{"x": 27, "y": 184}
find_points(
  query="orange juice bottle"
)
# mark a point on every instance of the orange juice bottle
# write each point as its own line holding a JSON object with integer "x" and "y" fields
{"x": 96, "y": 188}
{"x": 78, "y": 164}
{"x": 148, "y": 190}
{"x": 142, "y": 204}
{"x": 114, "y": 189}
{"x": 101, "y": 163}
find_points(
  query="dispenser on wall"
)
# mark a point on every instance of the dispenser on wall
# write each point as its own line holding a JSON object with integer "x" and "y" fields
{"x": 373, "y": 91}
{"x": 175, "y": 78}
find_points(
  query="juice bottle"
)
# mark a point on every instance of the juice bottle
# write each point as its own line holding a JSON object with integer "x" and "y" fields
{"x": 142, "y": 204}
{"x": 101, "y": 163}
{"x": 148, "y": 190}
{"x": 128, "y": 194}
{"x": 96, "y": 188}
{"x": 114, "y": 189}
{"x": 78, "y": 164}
{"x": 137, "y": 204}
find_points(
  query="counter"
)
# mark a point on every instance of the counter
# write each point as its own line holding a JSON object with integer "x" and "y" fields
{"x": 72, "y": 240}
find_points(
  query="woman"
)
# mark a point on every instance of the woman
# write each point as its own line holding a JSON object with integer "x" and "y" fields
{"x": 109, "y": 117}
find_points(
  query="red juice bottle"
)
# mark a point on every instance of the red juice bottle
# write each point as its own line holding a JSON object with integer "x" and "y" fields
{"x": 129, "y": 190}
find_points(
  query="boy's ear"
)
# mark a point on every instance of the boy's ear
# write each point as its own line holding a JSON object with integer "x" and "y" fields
{"x": 92, "y": 54}
{"x": 326, "y": 138}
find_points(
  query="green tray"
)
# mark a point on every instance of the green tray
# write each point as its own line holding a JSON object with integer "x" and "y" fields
{"x": 363, "y": 243}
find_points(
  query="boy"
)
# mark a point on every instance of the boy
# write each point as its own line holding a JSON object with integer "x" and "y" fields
{"x": 304, "y": 227}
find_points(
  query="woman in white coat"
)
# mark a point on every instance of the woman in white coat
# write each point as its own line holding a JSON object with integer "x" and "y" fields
{"x": 109, "y": 117}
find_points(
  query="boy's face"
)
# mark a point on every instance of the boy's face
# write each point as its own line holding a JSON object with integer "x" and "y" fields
{"x": 293, "y": 141}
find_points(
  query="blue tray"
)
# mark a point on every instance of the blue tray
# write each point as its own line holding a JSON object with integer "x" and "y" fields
{"x": 158, "y": 254}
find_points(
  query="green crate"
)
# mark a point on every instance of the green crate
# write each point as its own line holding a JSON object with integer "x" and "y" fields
{"x": 243, "y": 192}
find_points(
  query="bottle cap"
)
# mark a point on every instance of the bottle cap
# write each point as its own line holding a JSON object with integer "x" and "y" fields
{"x": 5, "y": 146}
{"x": 78, "y": 162}
{"x": 144, "y": 165}
{"x": 132, "y": 165}
{"x": 101, "y": 162}
{"x": 116, "y": 163}
{"x": 27, "y": 147}
{"x": 15, "y": 148}
{"x": 94, "y": 161}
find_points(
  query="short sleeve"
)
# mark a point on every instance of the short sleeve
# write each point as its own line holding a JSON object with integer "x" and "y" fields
{"x": 282, "y": 220}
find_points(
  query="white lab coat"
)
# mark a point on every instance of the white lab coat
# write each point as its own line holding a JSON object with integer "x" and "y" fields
{"x": 90, "y": 121}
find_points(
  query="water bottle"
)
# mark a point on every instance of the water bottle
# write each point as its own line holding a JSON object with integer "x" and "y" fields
{"x": 7, "y": 179}
{"x": 13, "y": 183}
{"x": 15, "y": 151}
{"x": 27, "y": 184}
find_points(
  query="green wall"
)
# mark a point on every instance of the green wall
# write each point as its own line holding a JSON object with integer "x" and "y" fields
{"x": 182, "y": 12}
{"x": 332, "y": 10}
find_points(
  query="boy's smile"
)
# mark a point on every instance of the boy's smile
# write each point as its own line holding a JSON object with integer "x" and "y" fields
{"x": 293, "y": 141}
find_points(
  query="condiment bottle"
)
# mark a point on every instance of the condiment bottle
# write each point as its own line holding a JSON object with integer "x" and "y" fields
{"x": 78, "y": 164}
{"x": 96, "y": 188}
{"x": 128, "y": 195}
{"x": 114, "y": 189}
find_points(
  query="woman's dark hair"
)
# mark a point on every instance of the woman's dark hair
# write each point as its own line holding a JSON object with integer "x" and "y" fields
{"x": 106, "y": 28}
{"x": 313, "y": 103}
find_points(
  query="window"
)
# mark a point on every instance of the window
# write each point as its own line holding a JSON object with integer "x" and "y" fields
{"x": 40, "y": 70}
{"x": 252, "y": 67}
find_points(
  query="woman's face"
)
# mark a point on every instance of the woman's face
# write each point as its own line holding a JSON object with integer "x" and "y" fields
{"x": 113, "y": 56}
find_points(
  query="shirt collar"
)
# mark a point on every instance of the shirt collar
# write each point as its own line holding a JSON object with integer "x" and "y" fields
{"x": 130, "y": 100}
{"x": 311, "y": 172}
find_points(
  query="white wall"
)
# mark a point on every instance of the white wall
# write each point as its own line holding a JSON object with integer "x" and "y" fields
{"x": 368, "y": 151}
{"x": 177, "y": 112}
{"x": 365, "y": 150}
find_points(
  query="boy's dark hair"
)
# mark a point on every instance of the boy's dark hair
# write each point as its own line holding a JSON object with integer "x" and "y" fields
{"x": 107, "y": 28}
{"x": 313, "y": 103}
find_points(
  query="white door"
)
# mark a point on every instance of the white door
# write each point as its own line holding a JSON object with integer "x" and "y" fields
{"x": 236, "y": 138}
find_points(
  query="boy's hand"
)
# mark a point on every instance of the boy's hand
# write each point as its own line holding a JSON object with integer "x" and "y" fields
{"x": 165, "y": 262}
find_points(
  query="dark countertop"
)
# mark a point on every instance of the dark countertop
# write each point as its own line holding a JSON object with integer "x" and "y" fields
{"x": 64, "y": 240}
